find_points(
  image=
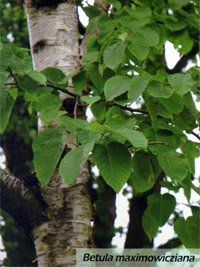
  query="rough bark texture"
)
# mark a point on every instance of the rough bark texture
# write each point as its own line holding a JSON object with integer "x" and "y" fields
{"x": 136, "y": 237}
{"x": 105, "y": 215}
{"x": 68, "y": 227}
{"x": 54, "y": 43}
{"x": 28, "y": 209}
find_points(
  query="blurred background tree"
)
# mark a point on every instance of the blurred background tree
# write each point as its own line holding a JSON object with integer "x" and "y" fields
{"x": 16, "y": 141}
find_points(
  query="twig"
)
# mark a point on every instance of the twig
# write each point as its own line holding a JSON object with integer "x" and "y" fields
{"x": 184, "y": 59}
{"x": 75, "y": 107}
{"x": 132, "y": 109}
{"x": 62, "y": 90}
{"x": 49, "y": 85}
{"x": 11, "y": 84}
{"x": 158, "y": 143}
{"x": 196, "y": 135}
{"x": 13, "y": 75}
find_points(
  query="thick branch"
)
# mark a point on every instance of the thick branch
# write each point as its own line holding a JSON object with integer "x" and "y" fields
{"x": 104, "y": 218}
{"x": 21, "y": 202}
{"x": 136, "y": 236}
{"x": 184, "y": 60}
{"x": 171, "y": 243}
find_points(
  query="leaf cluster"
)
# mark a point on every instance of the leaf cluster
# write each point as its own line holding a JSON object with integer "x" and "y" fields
{"x": 142, "y": 112}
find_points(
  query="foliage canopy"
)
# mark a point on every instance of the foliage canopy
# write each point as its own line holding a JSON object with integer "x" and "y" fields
{"x": 142, "y": 111}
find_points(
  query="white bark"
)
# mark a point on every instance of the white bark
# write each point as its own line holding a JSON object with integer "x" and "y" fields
{"x": 54, "y": 43}
{"x": 53, "y": 37}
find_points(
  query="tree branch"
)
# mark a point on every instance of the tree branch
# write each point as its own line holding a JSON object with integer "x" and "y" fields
{"x": 21, "y": 202}
{"x": 62, "y": 90}
{"x": 196, "y": 135}
{"x": 49, "y": 85}
{"x": 184, "y": 60}
{"x": 132, "y": 109}
{"x": 12, "y": 75}
{"x": 171, "y": 243}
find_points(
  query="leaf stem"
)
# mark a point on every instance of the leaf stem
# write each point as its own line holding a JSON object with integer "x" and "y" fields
{"x": 158, "y": 143}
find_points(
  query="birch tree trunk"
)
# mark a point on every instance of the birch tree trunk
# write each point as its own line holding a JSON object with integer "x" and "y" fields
{"x": 54, "y": 43}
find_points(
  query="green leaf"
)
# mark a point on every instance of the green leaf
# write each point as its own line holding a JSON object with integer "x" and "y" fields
{"x": 90, "y": 56}
{"x": 190, "y": 105}
{"x": 182, "y": 83}
{"x": 176, "y": 5}
{"x": 113, "y": 55}
{"x": 141, "y": 14}
{"x": 74, "y": 125}
{"x": 79, "y": 82}
{"x": 170, "y": 186}
{"x": 99, "y": 110}
{"x": 137, "y": 86}
{"x": 157, "y": 89}
{"x": 191, "y": 151}
{"x": 48, "y": 105}
{"x": 18, "y": 59}
{"x": 116, "y": 117}
{"x": 174, "y": 165}
{"x": 100, "y": 128}
{"x": 47, "y": 147}
{"x": 168, "y": 141}
{"x": 183, "y": 42}
{"x": 6, "y": 105}
{"x": 143, "y": 177}
{"x": 116, "y": 86}
{"x": 173, "y": 24}
{"x": 90, "y": 100}
{"x": 157, "y": 213}
{"x": 195, "y": 188}
{"x": 132, "y": 25}
{"x": 185, "y": 121}
{"x": 136, "y": 138}
{"x": 188, "y": 230}
{"x": 29, "y": 85}
{"x": 114, "y": 163}
{"x": 70, "y": 166}
{"x": 186, "y": 184}
{"x": 55, "y": 76}
{"x": 174, "y": 103}
{"x": 139, "y": 46}
{"x": 37, "y": 76}
{"x": 93, "y": 72}
{"x": 155, "y": 108}
{"x": 115, "y": 3}
{"x": 108, "y": 26}
{"x": 150, "y": 35}
{"x": 13, "y": 93}
{"x": 85, "y": 137}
